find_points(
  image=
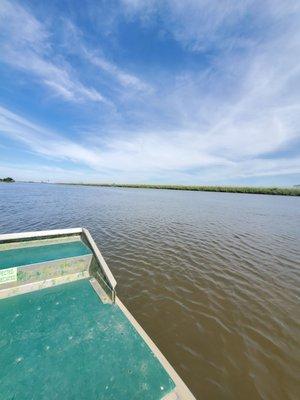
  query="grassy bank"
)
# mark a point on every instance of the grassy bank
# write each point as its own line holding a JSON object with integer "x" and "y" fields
{"x": 228, "y": 189}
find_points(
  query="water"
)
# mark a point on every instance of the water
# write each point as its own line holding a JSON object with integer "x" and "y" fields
{"x": 212, "y": 277}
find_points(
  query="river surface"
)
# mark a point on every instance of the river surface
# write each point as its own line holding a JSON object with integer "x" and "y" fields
{"x": 213, "y": 278}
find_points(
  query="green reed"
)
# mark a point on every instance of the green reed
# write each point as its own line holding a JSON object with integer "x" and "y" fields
{"x": 228, "y": 189}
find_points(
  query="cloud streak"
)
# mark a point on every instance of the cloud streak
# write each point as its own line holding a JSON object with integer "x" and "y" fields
{"x": 201, "y": 24}
{"x": 117, "y": 159}
{"x": 25, "y": 44}
{"x": 234, "y": 116}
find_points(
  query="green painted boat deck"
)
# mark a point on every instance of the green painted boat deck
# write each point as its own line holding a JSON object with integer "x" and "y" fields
{"x": 64, "y": 343}
{"x": 38, "y": 254}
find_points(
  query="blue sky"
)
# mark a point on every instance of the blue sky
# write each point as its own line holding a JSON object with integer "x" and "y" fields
{"x": 191, "y": 92}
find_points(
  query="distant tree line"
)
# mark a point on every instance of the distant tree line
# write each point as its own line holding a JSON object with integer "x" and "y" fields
{"x": 8, "y": 179}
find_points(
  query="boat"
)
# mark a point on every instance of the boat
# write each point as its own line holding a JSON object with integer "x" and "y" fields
{"x": 64, "y": 332}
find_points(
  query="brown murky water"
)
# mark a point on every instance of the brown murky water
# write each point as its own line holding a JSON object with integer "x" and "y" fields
{"x": 213, "y": 277}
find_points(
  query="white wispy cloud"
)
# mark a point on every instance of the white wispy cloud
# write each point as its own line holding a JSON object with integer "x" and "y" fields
{"x": 117, "y": 159}
{"x": 25, "y": 44}
{"x": 199, "y": 24}
{"x": 149, "y": 152}
{"x": 43, "y": 141}
{"x": 126, "y": 79}
{"x": 74, "y": 43}
{"x": 246, "y": 102}
{"x": 228, "y": 120}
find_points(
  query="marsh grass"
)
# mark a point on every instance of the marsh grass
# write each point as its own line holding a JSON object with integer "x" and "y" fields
{"x": 227, "y": 189}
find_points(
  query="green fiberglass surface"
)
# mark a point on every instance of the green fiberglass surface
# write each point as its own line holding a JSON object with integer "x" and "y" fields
{"x": 37, "y": 254}
{"x": 64, "y": 343}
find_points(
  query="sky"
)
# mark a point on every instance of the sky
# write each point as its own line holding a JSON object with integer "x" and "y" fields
{"x": 152, "y": 91}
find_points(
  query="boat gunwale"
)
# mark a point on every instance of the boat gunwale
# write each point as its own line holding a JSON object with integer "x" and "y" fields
{"x": 7, "y": 237}
{"x": 181, "y": 391}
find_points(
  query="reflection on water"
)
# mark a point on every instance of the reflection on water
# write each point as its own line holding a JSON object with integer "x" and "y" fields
{"x": 212, "y": 277}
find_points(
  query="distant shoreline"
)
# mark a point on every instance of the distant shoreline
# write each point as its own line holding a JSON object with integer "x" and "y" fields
{"x": 224, "y": 189}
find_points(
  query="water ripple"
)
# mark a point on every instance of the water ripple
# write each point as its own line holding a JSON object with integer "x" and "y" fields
{"x": 214, "y": 278}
